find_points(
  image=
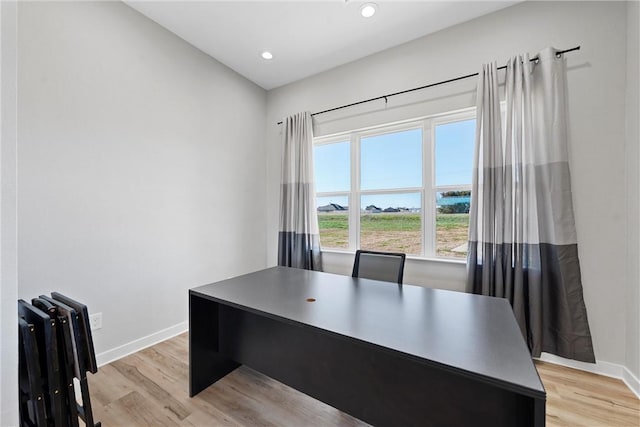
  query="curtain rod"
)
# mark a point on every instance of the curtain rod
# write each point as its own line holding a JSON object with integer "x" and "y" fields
{"x": 558, "y": 53}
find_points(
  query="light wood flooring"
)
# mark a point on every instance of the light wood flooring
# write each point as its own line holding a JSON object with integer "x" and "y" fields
{"x": 149, "y": 388}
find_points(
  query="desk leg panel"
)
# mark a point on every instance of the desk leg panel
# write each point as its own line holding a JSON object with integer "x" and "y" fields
{"x": 540, "y": 414}
{"x": 206, "y": 364}
{"x": 378, "y": 386}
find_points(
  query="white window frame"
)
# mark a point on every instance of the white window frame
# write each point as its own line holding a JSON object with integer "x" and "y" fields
{"x": 428, "y": 207}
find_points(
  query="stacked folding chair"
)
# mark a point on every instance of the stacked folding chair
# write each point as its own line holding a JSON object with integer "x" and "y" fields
{"x": 55, "y": 347}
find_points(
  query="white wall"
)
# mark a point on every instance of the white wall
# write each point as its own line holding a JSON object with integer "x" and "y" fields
{"x": 8, "y": 225}
{"x": 597, "y": 107}
{"x": 137, "y": 166}
{"x": 633, "y": 191}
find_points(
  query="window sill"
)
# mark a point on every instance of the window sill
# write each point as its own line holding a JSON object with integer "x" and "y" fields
{"x": 409, "y": 257}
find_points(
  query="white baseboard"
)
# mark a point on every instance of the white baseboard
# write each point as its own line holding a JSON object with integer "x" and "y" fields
{"x": 601, "y": 368}
{"x": 631, "y": 381}
{"x": 141, "y": 343}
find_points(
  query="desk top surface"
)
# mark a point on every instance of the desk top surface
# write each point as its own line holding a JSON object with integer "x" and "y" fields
{"x": 470, "y": 334}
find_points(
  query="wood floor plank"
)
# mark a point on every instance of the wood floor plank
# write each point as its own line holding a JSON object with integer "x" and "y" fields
{"x": 150, "y": 388}
{"x": 133, "y": 409}
{"x": 113, "y": 386}
{"x": 278, "y": 399}
{"x": 211, "y": 418}
{"x": 578, "y": 398}
{"x": 156, "y": 390}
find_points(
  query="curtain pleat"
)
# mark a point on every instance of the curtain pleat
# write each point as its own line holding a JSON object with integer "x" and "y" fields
{"x": 298, "y": 237}
{"x": 522, "y": 237}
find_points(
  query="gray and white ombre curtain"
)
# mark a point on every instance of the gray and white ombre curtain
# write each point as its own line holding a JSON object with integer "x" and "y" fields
{"x": 522, "y": 237}
{"x": 298, "y": 236}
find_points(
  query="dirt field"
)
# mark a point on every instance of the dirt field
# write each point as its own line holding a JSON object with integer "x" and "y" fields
{"x": 399, "y": 232}
{"x": 409, "y": 242}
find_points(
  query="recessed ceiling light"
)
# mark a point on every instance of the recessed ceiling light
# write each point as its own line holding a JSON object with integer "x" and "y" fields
{"x": 267, "y": 55}
{"x": 368, "y": 10}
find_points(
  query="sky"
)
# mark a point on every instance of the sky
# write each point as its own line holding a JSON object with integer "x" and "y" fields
{"x": 395, "y": 161}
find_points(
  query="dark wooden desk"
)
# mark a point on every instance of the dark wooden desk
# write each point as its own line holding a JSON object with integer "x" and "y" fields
{"x": 387, "y": 354}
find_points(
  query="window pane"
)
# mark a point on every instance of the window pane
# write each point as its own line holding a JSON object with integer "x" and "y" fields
{"x": 391, "y": 222}
{"x": 333, "y": 220}
{"x": 392, "y": 160}
{"x": 454, "y": 152}
{"x": 452, "y": 223}
{"x": 332, "y": 168}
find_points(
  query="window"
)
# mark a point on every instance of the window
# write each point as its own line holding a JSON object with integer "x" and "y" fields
{"x": 400, "y": 187}
{"x": 453, "y": 160}
{"x": 332, "y": 168}
{"x": 390, "y": 191}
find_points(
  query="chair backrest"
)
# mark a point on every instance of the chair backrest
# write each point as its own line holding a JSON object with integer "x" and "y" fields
{"x": 386, "y": 266}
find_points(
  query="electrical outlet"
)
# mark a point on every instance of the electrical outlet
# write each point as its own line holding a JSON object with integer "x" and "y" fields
{"x": 95, "y": 320}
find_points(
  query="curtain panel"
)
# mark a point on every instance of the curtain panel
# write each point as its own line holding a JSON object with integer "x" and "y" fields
{"x": 522, "y": 237}
{"x": 298, "y": 237}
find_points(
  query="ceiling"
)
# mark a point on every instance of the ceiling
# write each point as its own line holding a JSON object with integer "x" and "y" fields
{"x": 305, "y": 37}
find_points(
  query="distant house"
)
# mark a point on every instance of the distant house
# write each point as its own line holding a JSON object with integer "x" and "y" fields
{"x": 332, "y": 207}
{"x": 391, "y": 210}
{"x": 373, "y": 209}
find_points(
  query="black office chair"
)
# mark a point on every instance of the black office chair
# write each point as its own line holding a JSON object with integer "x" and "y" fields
{"x": 386, "y": 266}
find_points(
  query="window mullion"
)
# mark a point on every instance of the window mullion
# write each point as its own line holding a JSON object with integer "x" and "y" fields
{"x": 392, "y": 191}
{"x": 354, "y": 209}
{"x": 332, "y": 193}
{"x": 428, "y": 199}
